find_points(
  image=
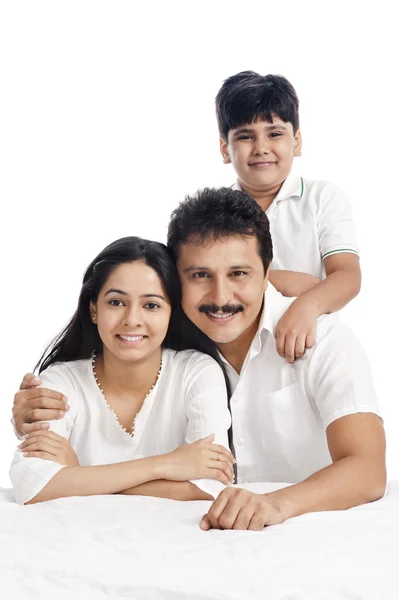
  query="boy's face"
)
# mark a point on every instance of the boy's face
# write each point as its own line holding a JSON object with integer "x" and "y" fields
{"x": 223, "y": 284}
{"x": 262, "y": 153}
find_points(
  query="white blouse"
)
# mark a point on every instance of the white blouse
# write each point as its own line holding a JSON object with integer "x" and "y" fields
{"x": 189, "y": 402}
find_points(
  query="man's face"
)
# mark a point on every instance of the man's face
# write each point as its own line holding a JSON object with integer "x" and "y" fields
{"x": 262, "y": 153}
{"x": 223, "y": 284}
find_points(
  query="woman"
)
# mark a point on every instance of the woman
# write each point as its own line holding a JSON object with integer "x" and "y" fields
{"x": 142, "y": 415}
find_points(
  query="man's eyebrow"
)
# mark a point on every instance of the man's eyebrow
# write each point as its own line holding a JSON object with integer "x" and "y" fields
{"x": 122, "y": 293}
{"x": 197, "y": 268}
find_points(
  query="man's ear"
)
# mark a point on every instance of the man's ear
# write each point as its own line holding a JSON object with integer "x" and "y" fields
{"x": 224, "y": 151}
{"x": 93, "y": 312}
{"x": 298, "y": 143}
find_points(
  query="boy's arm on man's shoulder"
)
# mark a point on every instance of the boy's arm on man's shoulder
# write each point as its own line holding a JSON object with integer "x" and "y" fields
{"x": 292, "y": 283}
{"x": 296, "y": 329}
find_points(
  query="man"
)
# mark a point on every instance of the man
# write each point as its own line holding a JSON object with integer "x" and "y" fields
{"x": 313, "y": 423}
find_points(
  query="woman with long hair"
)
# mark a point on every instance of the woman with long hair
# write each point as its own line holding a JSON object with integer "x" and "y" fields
{"x": 148, "y": 413}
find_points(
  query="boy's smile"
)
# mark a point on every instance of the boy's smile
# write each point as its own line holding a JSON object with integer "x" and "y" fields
{"x": 262, "y": 153}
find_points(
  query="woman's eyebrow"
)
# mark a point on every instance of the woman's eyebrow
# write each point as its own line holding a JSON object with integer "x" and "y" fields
{"x": 121, "y": 292}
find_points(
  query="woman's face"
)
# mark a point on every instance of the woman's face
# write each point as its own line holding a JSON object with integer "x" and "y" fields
{"x": 132, "y": 312}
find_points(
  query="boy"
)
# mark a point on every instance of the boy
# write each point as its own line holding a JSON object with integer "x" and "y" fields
{"x": 311, "y": 222}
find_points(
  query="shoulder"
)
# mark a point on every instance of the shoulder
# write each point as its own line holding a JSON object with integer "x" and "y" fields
{"x": 322, "y": 193}
{"x": 335, "y": 341}
{"x": 71, "y": 373}
{"x": 189, "y": 361}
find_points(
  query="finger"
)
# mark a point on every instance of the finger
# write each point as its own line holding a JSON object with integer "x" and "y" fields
{"x": 219, "y": 475}
{"x": 300, "y": 345}
{"x": 29, "y": 381}
{"x": 280, "y": 343}
{"x": 218, "y": 449}
{"x": 51, "y": 435}
{"x": 243, "y": 518}
{"x": 310, "y": 339}
{"x": 229, "y": 514}
{"x": 225, "y": 467}
{"x": 44, "y": 414}
{"x": 217, "y": 508}
{"x": 289, "y": 350}
{"x": 205, "y": 523}
{"x": 41, "y": 446}
{"x": 256, "y": 523}
{"x": 43, "y": 455}
{"x": 209, "y": 439}
{"x": 27, "y": 428}
{"x": 35, "y": 438}
{"x": 42, "y": 399}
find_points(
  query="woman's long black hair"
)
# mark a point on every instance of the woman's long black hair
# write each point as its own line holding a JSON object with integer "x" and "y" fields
{"x": 80, "y": 337}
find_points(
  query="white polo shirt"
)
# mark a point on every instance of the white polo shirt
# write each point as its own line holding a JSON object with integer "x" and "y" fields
{"x": 280, "y": 411}
{"x": 309, "y": 220}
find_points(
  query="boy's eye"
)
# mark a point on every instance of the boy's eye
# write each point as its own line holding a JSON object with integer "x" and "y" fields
{"x": 275, "y": 134}
{"x": 245, "y": 136}
{"x": 116, "y": 303}
{"x": 151, "y": 306}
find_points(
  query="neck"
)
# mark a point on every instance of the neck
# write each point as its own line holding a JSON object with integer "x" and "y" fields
{"x": 123, "y": 377}
{"x": 236, "y": 351}
{"x": 263, "y": 197}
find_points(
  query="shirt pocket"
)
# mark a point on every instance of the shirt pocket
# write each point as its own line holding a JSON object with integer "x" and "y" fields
{"x": 287, "y": 421}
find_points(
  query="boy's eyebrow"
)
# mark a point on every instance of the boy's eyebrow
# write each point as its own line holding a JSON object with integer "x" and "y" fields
{"x": 271, "y": 127}
{"x": 122, "y": 293}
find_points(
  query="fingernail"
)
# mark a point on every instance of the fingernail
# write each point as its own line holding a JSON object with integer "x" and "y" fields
{"x": 35, "y": 380}
{"x": 62, "y": 413}
{"x": 67, "y": 407}
{"x": 65, "y": 399}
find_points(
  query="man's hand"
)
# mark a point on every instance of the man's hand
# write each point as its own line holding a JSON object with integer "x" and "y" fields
{"x": 296, "y": 330}
{"x": 33, "y": 405}
{"x": 49, "y": 446}
{"x": 236, "y": 508}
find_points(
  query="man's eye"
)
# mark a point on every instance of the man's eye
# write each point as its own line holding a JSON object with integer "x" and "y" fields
{"x": 116, "y": 302}
{"x": 151, "y": 305}
{"x": 200, "y": 275}
{"x": 238, "y": 273}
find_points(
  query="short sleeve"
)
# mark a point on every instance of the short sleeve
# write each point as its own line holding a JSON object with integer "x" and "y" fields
{"x": 207, "y": 410}
{"x": 339, "y": 376}
{"x": 336, "y": 227}
{"x": 30, "y": 475}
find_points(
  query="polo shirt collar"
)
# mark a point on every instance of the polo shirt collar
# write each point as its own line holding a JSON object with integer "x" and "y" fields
{"x": 293, "y": 187}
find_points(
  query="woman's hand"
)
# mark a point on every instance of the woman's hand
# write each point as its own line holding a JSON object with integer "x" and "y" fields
{"x": 49, "y": 446}
{"x": 199, "y": 460}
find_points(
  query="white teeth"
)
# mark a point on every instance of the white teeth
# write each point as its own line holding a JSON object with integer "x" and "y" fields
{"x": 130, "y": 338}
{"x": 223, "y": 316}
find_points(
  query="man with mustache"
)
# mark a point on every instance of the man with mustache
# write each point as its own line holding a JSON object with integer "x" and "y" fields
{"x": 313, "y": 423}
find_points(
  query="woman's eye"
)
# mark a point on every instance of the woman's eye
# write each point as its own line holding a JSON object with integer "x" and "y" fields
{"x": 151, "y": 305}
{"x": 116, "y": 302}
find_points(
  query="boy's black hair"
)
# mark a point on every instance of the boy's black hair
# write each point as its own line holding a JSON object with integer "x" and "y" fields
{"x": 214, "y": 213}
{"x": 248, "y": 96}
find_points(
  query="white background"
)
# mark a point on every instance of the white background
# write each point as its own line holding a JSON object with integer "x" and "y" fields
{"x": 107, "y": 120}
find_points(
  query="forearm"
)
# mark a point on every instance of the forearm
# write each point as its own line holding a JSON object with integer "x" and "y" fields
{"x": 292, "y": 283}
{"x": 348, "y": 482}
{"x": 175, "y": 490}
{"x": 334, "y": 292}
{"x": 101, "y": 479}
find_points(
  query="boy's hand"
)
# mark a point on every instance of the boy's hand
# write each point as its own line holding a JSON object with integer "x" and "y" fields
{"x": 33, "y": 405}
{"x": 49, "y": 446}
{"x": 296, "y": 330}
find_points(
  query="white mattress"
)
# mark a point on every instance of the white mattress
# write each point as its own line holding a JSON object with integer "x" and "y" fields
{"x": 149, "y": 548}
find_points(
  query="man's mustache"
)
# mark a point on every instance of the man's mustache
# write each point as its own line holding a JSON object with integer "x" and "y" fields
{"x": 226, "y": 308}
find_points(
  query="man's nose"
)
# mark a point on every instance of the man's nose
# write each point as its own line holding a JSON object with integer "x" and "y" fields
{"x": 221, "y": 293}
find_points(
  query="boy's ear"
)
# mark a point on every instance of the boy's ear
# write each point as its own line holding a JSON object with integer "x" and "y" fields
{"x": 298, "y": 143}
{"x": 224, "y": 151}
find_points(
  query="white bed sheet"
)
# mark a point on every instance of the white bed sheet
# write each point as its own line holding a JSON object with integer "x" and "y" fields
{"x": 149, "y": 548}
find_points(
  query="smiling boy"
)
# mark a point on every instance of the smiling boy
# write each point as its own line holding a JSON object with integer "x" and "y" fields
{"x": 311, "y": 221}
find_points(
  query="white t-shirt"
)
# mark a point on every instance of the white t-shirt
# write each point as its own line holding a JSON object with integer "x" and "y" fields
{"x": 280, "y": 411}
{"x": 189, "y": 402}
{"x": 309, "y": 220}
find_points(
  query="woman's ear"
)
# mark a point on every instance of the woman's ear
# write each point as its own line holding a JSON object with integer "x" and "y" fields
{"x": 93, "y": 312}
